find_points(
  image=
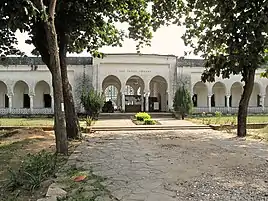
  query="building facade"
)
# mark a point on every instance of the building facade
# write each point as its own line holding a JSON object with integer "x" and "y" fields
{"x": 132, "y": 82}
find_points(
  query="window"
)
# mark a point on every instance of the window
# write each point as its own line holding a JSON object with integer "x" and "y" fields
{"x": 258, "y": 101}
{"x": 213, "y": 100}
{"x": 47, "y": 101}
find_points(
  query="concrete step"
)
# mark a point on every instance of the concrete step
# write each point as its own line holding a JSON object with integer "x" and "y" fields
{"x": 118, "y": 115}
{"x": 147, "y": 127}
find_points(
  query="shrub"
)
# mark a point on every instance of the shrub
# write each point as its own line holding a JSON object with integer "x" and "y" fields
{"x": 92, "y": 102}
{"x": 34, "y": 169}
{"x": 141, "y": 116}
{"x": 218, "y": 116}
{"x": 182, "y": 102}
{"x": 149, "y": 122}
{"x": 108, "y": 107}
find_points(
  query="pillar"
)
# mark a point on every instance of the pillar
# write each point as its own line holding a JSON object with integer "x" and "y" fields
{"x": 263, "y": 102}
{"x": 142, "y": 101}
{"x": 147, "y": 102}
{"x": 10, "y": 101}
{"x": 227, "y": 103}
{"x": 209, "y": 103}
{"x": 31, "y": 103}
{"x": 123, "y": 102}
{"x": 52, "y": 103}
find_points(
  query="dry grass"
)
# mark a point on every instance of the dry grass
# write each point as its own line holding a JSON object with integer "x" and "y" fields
{"x": 14, "y": 146}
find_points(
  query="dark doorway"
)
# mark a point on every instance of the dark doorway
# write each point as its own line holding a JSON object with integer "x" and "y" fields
{"x": 213, "y": 100}
{"x": 26, "y": 101}
{"x": 6, "y": 101}
{"x": 47, "y": 101}
{"x": 194, "y": 99}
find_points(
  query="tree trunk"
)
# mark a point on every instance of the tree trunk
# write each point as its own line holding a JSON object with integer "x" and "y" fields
{"x": 60, "y": 127}
{"x": 243, "y": 104}
{"x": 72, "y": 122}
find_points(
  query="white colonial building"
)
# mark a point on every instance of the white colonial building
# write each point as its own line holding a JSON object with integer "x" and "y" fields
{"x": 133, "y": 82}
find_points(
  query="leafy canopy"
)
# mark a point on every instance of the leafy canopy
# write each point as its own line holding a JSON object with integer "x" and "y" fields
{"x": 91, "y": 24}
{"x": 231, "y": 34}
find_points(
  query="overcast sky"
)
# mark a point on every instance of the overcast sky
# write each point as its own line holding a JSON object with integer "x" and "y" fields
{"x": 167, "y": 40}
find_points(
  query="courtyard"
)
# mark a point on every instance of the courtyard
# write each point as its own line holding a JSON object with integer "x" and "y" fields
{"x": 168, "y": 165}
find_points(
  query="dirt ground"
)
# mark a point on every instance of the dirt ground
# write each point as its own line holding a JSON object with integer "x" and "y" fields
{"x": 14, "y": 146}
{"x": 175, "y": 165}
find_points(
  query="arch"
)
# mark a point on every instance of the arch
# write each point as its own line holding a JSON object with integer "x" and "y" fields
{"x": 42, "y": 98}
{"x": 200, "y": 91}
{"x": 111, "y": 80}
{"x": 219, "y": 92}
{"x": 21, "y": 97}
{"x": 136, "y": 81}
{"x": 236, "y": 92}
{"x": 255, "y": 98}
{"x": 266, "y": 97}
{"x": 158, "y": 94}
{"x": 4, "y": 100}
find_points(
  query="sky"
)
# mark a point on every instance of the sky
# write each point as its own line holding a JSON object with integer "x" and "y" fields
{"x": 166, "y": 40}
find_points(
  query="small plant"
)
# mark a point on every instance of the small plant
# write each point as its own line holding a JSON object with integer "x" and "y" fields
{"x": 141, "y": 116}
{"x": 33, "y": 170}
{"x": 218, "y": 116}
{"x": 149, "y": 122}
{"x": 89, "y": 121}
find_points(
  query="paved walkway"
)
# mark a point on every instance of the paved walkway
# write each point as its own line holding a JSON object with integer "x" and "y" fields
{"x": 114, "y": 122}
{"x": 174, "y": 166}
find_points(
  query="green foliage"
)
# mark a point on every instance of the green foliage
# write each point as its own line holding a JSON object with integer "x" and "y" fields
{"x": 92, "y": 102}
{"x": 182, "y": 102}
{"x": 142, "y": 116}
{"x": 89, "y": 121}
{"x": 149, "y": 122}
{"x": 218, "y": 116}
{"x": 33, "y": 170}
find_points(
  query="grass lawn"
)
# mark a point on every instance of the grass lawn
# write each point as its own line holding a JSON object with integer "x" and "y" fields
{"x": 228, "y": 119}
{"x": 30, "y": 122}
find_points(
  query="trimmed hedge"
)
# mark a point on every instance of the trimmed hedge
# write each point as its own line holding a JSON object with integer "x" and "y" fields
{"x": 142, "y": 116}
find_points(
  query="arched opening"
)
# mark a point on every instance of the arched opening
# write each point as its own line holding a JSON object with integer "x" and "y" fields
{"x": 4, "y": 100}
{"x": 21, "y": 97}
{"x": 255, "y": 98}
{"x": 200, "y": 97}
{"x": 42, "y": 98}
{"x": 219, "y": 92}
{"x": 133, "y": 101}
{"x": 158, "y": 100}
{"x": 236, "y": 92}
{"x": 111, "y": 87}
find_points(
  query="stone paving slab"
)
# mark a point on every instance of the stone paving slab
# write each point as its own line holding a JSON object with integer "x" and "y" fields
{"x": 114, "y": 122}
{"x": 176, "y": 165}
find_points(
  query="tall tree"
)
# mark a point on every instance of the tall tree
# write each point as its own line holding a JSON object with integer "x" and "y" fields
{"x": 91, "y": 25}
{"x": 232, "y": 35}
{"x": 19, "y": 15}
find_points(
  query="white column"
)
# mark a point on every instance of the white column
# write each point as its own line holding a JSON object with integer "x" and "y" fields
{"x": 168, "y": 101}
{"x": 31, "y": 103}
{"x": 147, "y": 102}
{"x": 209, "y": 103}
{"x": 52, "y": 103}
{"x": 123, "y": 102}
{"x": 142, "y": 101}
{"x": 10, "y": 97}
{"x": 262, "y": 102}
{"x": 227, "y": 102}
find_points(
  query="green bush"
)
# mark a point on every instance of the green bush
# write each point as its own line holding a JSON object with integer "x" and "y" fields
{"x": 141, "y": 116}
{"x": 89, "y": 121}
{"x": 182, "y": 102}
{"x": 92, "y": 102}
{"x": 149, "y": 122}
{"x": 34, "y": 169}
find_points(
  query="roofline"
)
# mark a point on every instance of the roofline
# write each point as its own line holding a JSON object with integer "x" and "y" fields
{"x": 139, "y": 54}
